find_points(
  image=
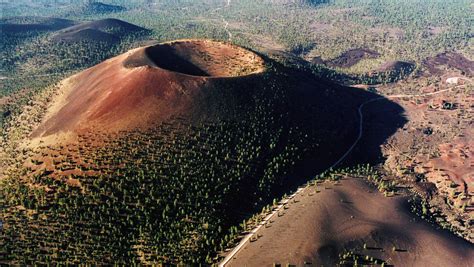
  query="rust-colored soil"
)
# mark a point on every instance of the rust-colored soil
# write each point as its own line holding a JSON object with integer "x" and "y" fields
{"x": 454, "y": 164}
{"x": 326, "y": 219}
{"x": 144, "y": 85}
{"x": 435, "y": 147}
{"x": 198, "y": 58}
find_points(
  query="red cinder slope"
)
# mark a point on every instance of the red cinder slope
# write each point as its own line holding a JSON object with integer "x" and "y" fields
{"x": 131, "y": 91}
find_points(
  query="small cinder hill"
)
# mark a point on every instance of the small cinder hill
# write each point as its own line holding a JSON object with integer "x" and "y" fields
{"x": 452, "y": 60}
{"x": 105, "y": 30}
{"x": 352, "y": 57}
{"x": 86, "y": 35}
{"x": 396, "y": 66}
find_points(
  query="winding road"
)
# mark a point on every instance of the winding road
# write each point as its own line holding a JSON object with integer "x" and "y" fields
{"x": 247, "y": 237}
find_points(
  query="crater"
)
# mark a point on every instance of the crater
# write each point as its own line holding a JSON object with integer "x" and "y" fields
{"x": 198, "y": 58}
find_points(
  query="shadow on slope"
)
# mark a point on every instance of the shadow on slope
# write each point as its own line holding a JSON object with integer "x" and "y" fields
{"x": 336, "y": 121}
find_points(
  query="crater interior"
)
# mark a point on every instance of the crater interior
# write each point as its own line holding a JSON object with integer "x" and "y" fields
{"x": 199, "y": 58}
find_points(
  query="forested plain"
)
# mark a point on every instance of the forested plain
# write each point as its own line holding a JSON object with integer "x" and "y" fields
{"x": 408, "y": 30}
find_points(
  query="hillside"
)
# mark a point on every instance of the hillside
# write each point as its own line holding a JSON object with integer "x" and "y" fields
{"x": 352, "y": 57}
{"x": 435, "y": 65}
{"x": 395, "y": 66}
{"x": 96, "y": 8}
{"x": 351, "y": 223}
{"x": 104, "y": 30}
{"x": 17, "y": 25}
{"x": 41, "y": 57}
{"x": 124, "y": 104}
{"x": 172, "y": 146}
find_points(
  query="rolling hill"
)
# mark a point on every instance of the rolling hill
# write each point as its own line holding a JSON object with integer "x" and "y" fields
{"x": 396, "y": 66}
{"x": 38, "y": 48}
{"x": 104, "y": 30}
{"x": 158, "y": 154}
{"x": 352, "y": 57}
{"x": 91, "y": 8}
{"x": 16, "y": 25}
{"x": 435, "y": 65}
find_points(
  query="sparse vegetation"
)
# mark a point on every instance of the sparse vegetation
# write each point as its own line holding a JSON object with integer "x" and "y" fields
{"x": 184, "y": 190}
{"x": 124, "y": 194}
